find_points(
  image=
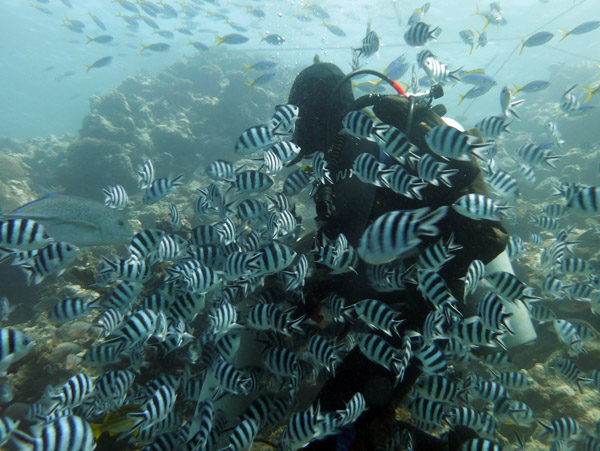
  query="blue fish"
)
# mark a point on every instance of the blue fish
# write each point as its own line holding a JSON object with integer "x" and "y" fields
{"x": 77, "y": 220}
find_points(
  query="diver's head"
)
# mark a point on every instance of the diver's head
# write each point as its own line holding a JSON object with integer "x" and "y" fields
{"x": 312, "y": 93}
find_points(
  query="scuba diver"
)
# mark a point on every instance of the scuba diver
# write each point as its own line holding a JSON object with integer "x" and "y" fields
{"x": 324, "y": 96}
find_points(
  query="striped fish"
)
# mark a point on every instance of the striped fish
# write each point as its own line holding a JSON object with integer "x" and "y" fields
{"x": 14, "y": 345}
{"x": 419, "y": 33}
{"x": 396, "y": 144}
{"x": 221, "y": 170}
{"x": 295, "y": 182}
{"x": 161, "y": 188}
{"x": 509, "y": 286}
{"x": 492, "y": 313}
{"x": 530, "y": 154}
{"x": 567, "y": 370}
{"x": 378, "y": 316}
{"x": 51, "y": 259}
{"x": 475, "y": 274}
{"x": 396, "y": 233}
{"x": 492, "y": 126}
{"x": 23, "y": 234}
{"x": 565, "y": 428}
{"x": 145, "y": 175}
{"x": 586, "y": 201}
{"x": 302, "y": 428}
{"x": 145, "y": 243}
{"x": 359, "y": 125}
{"x": 250, "y": 182}
{"x": 155, "y": 409}
{"x": 73, "y": 392}
{"x": 115, "y": 197}
{"x": 284, "y": 118}
{"x": 401, "y": 182}
{"x": 449, "y": 142}
{"x": 64, "y": 433}
{"x": 256, "y": 138}
{"x": 69, "y": 309}
{"x": 478, "y": 206}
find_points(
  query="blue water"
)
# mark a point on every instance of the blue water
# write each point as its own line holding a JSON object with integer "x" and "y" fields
{"x": 34, "y": 103}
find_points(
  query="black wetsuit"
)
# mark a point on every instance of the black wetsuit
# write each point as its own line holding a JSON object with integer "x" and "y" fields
{"x": 355, "y": 206}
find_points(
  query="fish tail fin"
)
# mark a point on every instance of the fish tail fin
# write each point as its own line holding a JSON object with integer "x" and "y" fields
{"x": 429, "y": 221}
{"x": 251, "y": 85}
{"x": 89, "y": 39}
{"x": 591, "y": 93}
{"x": 471, "y": 51}
{"x": 177, "y": 180}
{"x": 144, "y": 47}
{"x": 248, "y": 67}
{"x": 565, "y": 34}
{"x": 220, "y": 40}
{"x": 462, "y": 97}
{"x": 30, "y": 274}
{"x": 522, "y": 47}
{"x": 262, "y": 37}
{"x": 517, "y": 90}
{"x": 88, "y": 67}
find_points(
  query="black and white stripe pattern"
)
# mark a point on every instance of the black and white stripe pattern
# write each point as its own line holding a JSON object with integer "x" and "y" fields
{"x": 395, "y": 233}
{"x": 161, "y": 188}
{"x": 69, "y": 309}
{"x": 73, "y": 392}
{"x": 123, "y": 295}
{"x": 145, "y": 174}
{"x": 230, "y": 378}
{"x": 358, "y": 124}
{"x": 432, "y": 171}
{"x": 248, "y": 182}
{"x": 585, "y": 201}
{"x": 221, "y": 170}
{"x": 295, "y": 182}
{"x": 492, "y": 126}
{"x": 492, "y": 313}
{"x": 378, "y": 315}
{"x": 222, "y": 318}
{"x": 530, "y": 154}
{"x": 242, "y": 436}
{"x": 115, "y": 197}
{"x": 51, "y": 259}
{"x": 419, "y": 33}
{"x": 273, "y": 258}
{"x": 403, "y": 183}
{"x": 64, "y": 433}
{"x": 368, "y": 169}
{"x": 284, "y": 118}
{"x": 478, "y": 206}
{"x": 323, "y": 352}
{"x": 475, "y": 274}
{"x": 145, "y": 243}
{"x": 302, "y": 428}
{"x": 254, "y": 139}
{"x": 23, "y": 234}
{"x": 473, "y": 332}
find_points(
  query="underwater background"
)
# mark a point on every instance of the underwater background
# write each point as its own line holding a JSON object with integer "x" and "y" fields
{"x": 93, "y": 90}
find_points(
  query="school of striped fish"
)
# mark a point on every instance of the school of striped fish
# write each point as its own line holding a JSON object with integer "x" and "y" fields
{"x": 196, "y": 337}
